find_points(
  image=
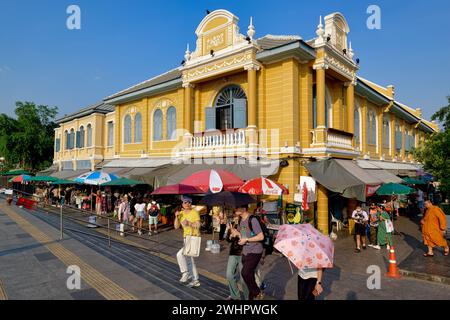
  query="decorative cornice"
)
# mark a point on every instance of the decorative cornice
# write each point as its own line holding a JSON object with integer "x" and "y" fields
{"x": 220, "y": 66}
{"x": 188, "y": 85}
{"x": 252, "y": 66}
{"x": 320, "y": 66}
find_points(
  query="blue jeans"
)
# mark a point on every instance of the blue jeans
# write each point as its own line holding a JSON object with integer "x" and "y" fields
{"x": 234, "y": 268}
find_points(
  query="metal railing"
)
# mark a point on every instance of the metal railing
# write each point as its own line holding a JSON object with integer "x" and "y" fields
{"x": 59, "y": 210}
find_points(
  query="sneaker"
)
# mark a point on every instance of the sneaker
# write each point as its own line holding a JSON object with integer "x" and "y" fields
{"x": 357, "y": 250}
{"x": 377, "y": 247}
{"x": 364, "y": 248}
{"x": 155, "y": 232}
{"x": 194, "y": 284}
{"x": 140, "y": 232}
{"x": 150, "y": 233}
{"x": 185, "y": 277}
{"x": 370, "y": 245}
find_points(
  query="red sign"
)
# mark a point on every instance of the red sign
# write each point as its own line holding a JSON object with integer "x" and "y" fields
{"x": 371, "y": 189}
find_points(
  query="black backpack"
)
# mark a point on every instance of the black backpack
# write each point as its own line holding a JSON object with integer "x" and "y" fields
{"x": 268, "y": 238}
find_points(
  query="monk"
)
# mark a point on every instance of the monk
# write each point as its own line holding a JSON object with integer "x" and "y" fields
{"x": 433, "y": 227}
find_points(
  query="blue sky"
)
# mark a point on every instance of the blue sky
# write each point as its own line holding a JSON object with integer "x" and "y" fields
{"x": 122, "y": 43}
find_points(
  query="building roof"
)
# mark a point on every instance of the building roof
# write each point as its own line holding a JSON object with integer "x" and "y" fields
{"x": 159, "y": 79}
{"x": 415, "y": 113}
{"x": 270, "y": 41}
{"x": 99, "y": 107}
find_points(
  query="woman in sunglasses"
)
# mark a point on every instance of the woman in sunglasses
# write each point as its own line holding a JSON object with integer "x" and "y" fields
{"x": 189, "y": 219}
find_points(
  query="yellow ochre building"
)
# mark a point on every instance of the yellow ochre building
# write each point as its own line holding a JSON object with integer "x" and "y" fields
{"x": 273, "y": 104}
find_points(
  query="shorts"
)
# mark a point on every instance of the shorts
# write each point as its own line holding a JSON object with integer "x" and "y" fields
{"x": 360, "y": 229}
{"x": 420, "y": 204}
{"x": 153, "y": 220}
{"x": 140, "y": 215}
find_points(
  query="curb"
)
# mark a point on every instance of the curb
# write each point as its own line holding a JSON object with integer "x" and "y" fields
{"x": 425, "y": 276}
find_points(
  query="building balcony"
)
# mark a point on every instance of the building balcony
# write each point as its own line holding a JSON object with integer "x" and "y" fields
{"x": 217, "y": 143}
{"x": 329, "y": 138}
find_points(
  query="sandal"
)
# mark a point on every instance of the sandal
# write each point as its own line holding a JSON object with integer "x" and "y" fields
{"x": 428, "y": 255}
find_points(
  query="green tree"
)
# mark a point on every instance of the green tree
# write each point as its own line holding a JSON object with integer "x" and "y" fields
{"x": 435, "y": 153}
{"x": 28, "y": 140}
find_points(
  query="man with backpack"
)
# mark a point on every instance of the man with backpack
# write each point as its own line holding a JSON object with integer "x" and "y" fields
{"x": 153, "y": 212}
{"x": 251, "y": 234}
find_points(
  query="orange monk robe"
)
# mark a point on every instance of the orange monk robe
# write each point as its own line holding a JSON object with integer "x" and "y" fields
{"x": 433, "y": 227}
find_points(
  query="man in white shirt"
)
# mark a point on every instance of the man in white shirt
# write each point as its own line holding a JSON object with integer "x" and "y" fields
{"x": 361, "y": 219}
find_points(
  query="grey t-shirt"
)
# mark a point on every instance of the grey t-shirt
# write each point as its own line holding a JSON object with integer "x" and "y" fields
{"x": 251, "y": 247}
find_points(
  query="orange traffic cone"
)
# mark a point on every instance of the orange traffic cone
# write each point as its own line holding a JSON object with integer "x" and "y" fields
{"x": 393, "y": 269}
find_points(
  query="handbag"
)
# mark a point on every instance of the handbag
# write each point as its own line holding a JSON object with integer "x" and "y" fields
{"x": 192, "y": 246}
{"x": 389, "y": 226}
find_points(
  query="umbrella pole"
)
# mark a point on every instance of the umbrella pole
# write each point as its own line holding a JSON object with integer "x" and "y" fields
{"x": 290, "y": 266}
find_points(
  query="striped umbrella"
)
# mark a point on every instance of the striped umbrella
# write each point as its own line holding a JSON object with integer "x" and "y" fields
{"x": 263, "y": 186}
{"x": 96, "y": 178}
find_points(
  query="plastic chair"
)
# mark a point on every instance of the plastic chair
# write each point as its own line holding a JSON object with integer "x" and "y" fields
{"x": 339, "y": 224}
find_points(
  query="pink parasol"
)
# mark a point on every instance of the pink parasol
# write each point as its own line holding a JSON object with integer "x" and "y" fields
{"x": 305, "y": 246}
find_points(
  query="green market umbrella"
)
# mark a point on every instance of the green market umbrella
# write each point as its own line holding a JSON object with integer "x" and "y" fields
{"x": 15, "y": 172}
{"x": 64, "y": 182}
{"x": 122, "y": 182}
{"x": 409, "y": 180}
{"x": 393, "y": 188}
{"x": 43, "y": 179}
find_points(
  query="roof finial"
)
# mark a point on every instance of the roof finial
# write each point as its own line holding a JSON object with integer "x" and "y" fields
{"x": 350, "y": 51}
{"x": 251, "y": 29}
{"x": 187, "y": 54}
{"x": 320, "y": 33}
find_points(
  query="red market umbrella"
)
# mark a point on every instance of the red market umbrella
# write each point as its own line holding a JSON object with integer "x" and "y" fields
{"x": 20, "y": 179}
{"x": 305, "y": 206}
{"x": 214, "y": 181}
{"x": 178, "y": 189}
{"x": 263, "y": 186}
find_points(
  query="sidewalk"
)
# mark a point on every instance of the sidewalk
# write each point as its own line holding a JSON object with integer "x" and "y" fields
{"x": 347, "y": 280}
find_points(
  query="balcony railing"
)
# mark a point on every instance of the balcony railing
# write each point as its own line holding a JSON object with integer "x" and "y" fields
{"x": 333, "y": 138}
{"x": 218, "y": 139}
{"x": 339, "y": 139}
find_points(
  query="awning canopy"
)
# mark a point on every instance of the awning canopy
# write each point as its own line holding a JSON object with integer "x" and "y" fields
{"x": 397, "y": 168}
{"x": 174, "y": 173}
{"x": 344, "y": 177}
{"x": 384, "y": 175}
{"x": 137, "y": 163}
{"x": 69, "y": 174}
{"x": 52, "y": 169}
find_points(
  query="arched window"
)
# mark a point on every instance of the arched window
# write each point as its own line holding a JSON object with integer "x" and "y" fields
{"x": 398, "y": 136}
{"x": 171, "y": 123}
{"x": 72, "y": 139}
{"x": 89, "y": 136}
{"x": 138, "y": 128}
{"x": 357, "y": 126}
{"x": 127, "y": 129}
{"x": 230, "y": 110}
{"x": 81, "y": 138}
{"x": 386, "y": 132}
{"x": 157, "y": 125}
{"x": 66, "y": 140}
{"x": 371, "y": 128}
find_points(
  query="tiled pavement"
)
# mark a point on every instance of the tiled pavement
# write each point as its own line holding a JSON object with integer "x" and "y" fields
{"x": 131, "y": 268}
